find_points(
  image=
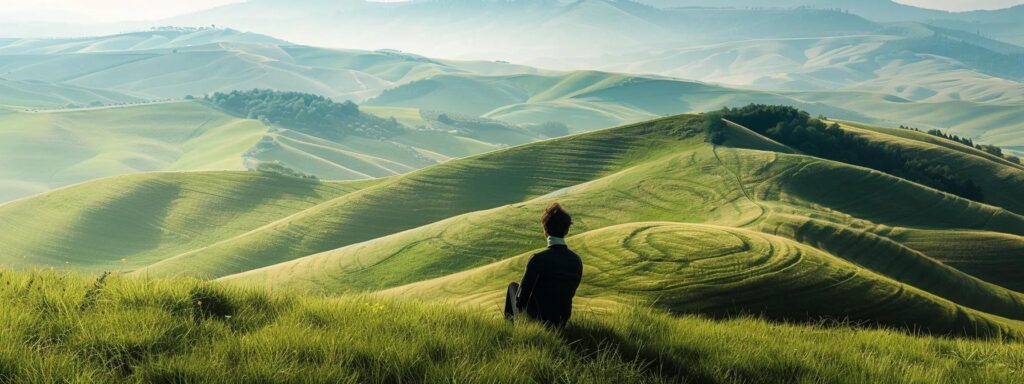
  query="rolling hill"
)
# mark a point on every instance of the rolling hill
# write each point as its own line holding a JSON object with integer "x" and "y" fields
{"x": 915, "y": 62}
{"x": 663, "y": 217}
{"x": 905, "y": 74}
{"x": 162, "y": 38}
{"x": 46, "y": 149}
{"x": 898, "y": 50}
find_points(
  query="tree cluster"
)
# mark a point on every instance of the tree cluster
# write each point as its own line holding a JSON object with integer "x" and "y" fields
{"x": 990, "y": 149}
{"x": 799, "y": 130}
{"x": 312, "y": 114}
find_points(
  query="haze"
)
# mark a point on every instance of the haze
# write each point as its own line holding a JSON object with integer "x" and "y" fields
{"x": 102, "y": 11}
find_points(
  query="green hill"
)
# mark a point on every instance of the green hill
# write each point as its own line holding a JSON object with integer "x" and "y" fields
{"x": 654, "y": 198}
{"x": 45, "y": 150}
{"x": 128, "y": 222}
{"x": 686, "y": 268}
{"x": 160, "y": 38}
{"x": 927, "y": 86}
{"x": 34, "y": 94}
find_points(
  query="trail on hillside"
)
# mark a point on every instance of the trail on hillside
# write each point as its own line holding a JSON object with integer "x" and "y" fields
{"x": 743, "y": 189}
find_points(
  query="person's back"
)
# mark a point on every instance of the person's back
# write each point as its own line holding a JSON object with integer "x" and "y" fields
{"x": 552, "y": 276}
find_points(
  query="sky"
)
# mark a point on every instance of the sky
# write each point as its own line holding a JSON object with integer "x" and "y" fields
{"x": 99, "y": 11}
{"x": 962, "y": 5}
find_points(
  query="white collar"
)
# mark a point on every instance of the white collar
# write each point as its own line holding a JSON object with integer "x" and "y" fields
{"x": 555, "y": 241}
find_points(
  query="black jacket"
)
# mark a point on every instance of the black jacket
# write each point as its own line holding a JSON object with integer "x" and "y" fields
{"x": 549, "y": 285}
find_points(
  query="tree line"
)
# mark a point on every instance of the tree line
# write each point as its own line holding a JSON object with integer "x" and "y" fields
{"x": 797, "y": 129}
{"x": 313, "y": 114}
{"x": 990, "y": 149}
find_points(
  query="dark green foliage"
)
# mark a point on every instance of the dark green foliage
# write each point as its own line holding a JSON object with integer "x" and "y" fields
{"x": 93, "y": 292}
{"x": 466, "y": 123}
{"x": 990, "y": 149}
{"x": 312, "y": 114}
{"x": 281, "y": 169}
{"x": 798, "y": 129}
{"x": 553, "y": 129}
{"x": 208, "y": 302}
{"x": 715, "y": 128}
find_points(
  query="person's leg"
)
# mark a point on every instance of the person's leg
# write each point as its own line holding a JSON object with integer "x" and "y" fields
{"x": 511, "y": 308}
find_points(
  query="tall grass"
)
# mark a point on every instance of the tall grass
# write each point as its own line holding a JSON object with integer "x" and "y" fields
{"x": 189, "y": 331}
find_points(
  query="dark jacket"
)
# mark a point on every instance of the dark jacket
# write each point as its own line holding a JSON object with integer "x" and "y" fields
{"x": 549, "y": 284}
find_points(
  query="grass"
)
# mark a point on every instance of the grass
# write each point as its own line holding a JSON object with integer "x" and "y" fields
{"x": 481, "y": 182}
{"x": 67, "y": 328}
{"x": 793, "y": 196}
{"x": 999, "y": 179}
{"x": 53, "y": 149}
{"x": 127, "y": 222}
{"x": 878, "y": 240}
{"x": 45, "y": 150}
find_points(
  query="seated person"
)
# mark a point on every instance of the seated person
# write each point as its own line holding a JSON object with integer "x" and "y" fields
{"x": 551, "y": 277}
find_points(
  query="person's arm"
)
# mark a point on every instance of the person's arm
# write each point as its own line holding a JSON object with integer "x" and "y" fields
{"x": 528, "y": 284}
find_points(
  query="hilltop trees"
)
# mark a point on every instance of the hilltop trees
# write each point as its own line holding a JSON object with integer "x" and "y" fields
{"x": 799, "y": 130}
{"x": 306, "y": 112}
{"x": 990, "y": 149}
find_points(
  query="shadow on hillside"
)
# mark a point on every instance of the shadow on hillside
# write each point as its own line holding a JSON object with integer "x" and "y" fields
{"x": 673, "y": 362}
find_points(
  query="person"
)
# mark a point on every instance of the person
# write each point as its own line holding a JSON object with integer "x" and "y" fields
{"x": 551, "y": 278}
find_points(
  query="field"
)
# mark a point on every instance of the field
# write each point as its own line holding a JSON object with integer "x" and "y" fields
{"x": 67, "y": 328}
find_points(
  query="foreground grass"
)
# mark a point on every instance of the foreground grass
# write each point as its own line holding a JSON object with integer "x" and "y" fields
{"x": 66, "y": 328}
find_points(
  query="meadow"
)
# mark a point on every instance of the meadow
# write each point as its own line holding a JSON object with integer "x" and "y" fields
{"x": 59, "y": 327}
{"x": 712, "y": 253}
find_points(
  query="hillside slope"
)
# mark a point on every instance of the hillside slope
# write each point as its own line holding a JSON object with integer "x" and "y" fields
{"x": 127, "y": 222}
{"x": 652, "y": 190}
{"x": 45, "y": 150}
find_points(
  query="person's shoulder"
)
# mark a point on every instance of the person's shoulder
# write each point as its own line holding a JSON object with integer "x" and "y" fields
{"x": 574, "y": 255}
{"x": 543, "y": 254}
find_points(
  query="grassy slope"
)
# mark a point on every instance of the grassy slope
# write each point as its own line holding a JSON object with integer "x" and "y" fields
{"x": 691, "y": 268}
{"x": 382, "y": 236}
{"x": 466, "y": 185}
{"x": 998, "y": 124}
{"x": 1000, "y": 180}
{"x": 40, "y": 94}
{"x": 60, "y": 328}
{"x": 731, "y": 188}
{"x": 49, "y": 149}
{"x": 52, "y": 149}
{"x": 126, "y": 222}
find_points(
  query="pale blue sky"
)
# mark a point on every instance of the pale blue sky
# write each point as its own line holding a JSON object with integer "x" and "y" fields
{"x": 93, "y": 11}
{"x": 962, "y": 5}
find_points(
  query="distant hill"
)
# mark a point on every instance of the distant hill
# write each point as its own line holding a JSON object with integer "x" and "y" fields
{"x": 34, "y": 93}
{"x": 1001, "y": 24}
{"x": 160, "y": 38}
{"x": 912, "y": 61}
{"x": 47, "y": 149}
{"x": 487, "y": 104}
{"x": 520, "y": 31}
